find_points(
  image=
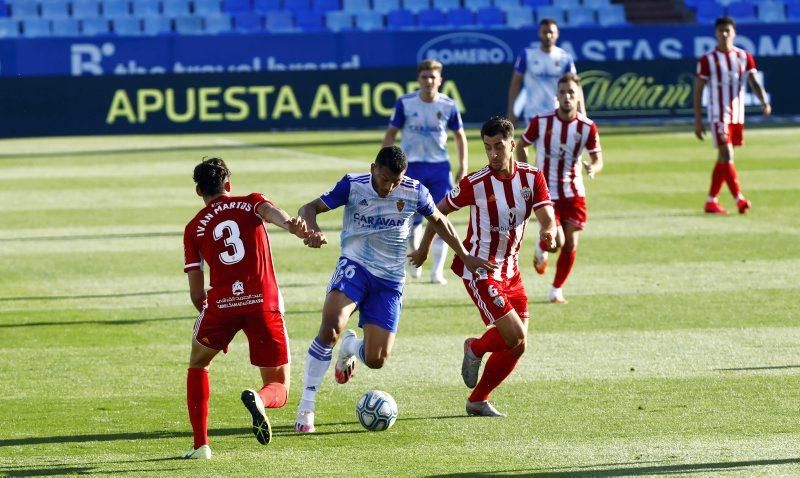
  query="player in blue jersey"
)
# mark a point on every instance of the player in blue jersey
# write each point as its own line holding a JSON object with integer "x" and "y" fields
{"x": 424, "y": 118}
{"x": 369, "y": 275}
{"x": 536, "y": 72}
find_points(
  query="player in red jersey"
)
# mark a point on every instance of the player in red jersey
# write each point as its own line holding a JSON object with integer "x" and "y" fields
{"x": 725, "y": 70}
{"x": 501, "y": 197}
{"x": 229, "y": 234}
{"x": 560, "y": 138}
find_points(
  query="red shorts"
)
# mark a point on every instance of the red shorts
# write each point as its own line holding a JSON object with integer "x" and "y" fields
{"x": 497, "y": 298}
{"x": 571, "y": 211}
{"x": 265, "y": 331}
{"x": 727, "y": 133}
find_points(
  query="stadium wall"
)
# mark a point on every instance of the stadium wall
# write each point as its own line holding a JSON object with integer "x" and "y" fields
{"x": 333, "y": 99}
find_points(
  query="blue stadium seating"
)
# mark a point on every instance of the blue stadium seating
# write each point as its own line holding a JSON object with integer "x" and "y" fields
{"x": 552, "y": 11}
{"x": 218, "y": 23}
{"x": 9, "y": 28}
{"x": 520, "y": 17}
{"x": 476, "y": 5}
{"x": 772, "y": 12}
{"x": 505, "y": 5}
{"x": 568, "y": 4}
{"x": 297, "y": 5}
{"x": 356, "y": 6}
{"x": 146, "y": 8}
{"x": 156, "y": 25}
{"x": 95, "y": 26}
{"x": 415, "y": 6}
{"x": 52, "y": 9}
{"x": 279, "y": 21}
{"x": 369, "y": 21}
{"x": 339, "y": 21}
{"x": 264, "y": 6}
{"x": 385, "y": 6}
{"x": 611, "y": 15}
{"x": 189, "y": 25}
{"x": 116, "y": 8}
{"x": 3, "y": 9}
{"x": 490, "y": 17}
{"x": 126, "y": 26}
{"x": 742, "y": 12}
{"x": 22, "y": 9}
{"x": 446, "y": 4}
{"x": 207, "y": 7}
{"x": 177, "y": 8}
{"x": 309, "y": 21}
{"x": 793, "y": 12}
{"x": 85, "y": 8}
{"x": 35, "y": 27}
{"x": 65, "y": 27}
{"x": 580, "y": 17}
{"x": 325, "y": 5}
{"x": 460, "y": 17}
{"x": 236, "y": 6}
{"x": 708, "y": 11}
{"x": 596, "y": 3}
{"x": 536, "y": 3}
{"x": 247, "y": 22}
{"x": 400, "y": 20}
{"x": 431, "y": 18}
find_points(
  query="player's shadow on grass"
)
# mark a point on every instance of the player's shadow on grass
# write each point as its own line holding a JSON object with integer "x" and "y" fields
{"x": 602, "y": 470}
{"x": 91, "y": 296}
{"x": 61, "y": 469}
{"x": 95, "y": 322}
{"x": 746, "y": 369}
{"x": 84, "y": 237}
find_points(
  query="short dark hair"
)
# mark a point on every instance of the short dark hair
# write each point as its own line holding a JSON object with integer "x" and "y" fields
{"x": 547, "y": 22}
{"x": 723, "y": 22}
{"x": 210, "y": 176}
{"x": 498, "y": 125}
{"x": 429, "y": 64}
{"x": 567, "y": 77}
{"x": 392, "y": 157}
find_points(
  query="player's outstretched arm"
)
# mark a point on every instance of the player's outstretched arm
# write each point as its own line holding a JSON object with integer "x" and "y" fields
{"x": 309, "y": 214}
{"x": 513, "y": 92}
{"x": 758, "y": 89}
{"x": 275, "y": 215}
{"x": 390, "y": 136}
{"x": 197, "y": 290}
{"x": 699, "y": 129}
{"x": 439, "y": 222}
{"x": 547, "y": 226}
{"x": 463, "y": 153}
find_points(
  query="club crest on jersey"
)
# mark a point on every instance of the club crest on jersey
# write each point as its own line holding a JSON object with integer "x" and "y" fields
{"x": 237, "y": 288}
{"x": 438, "y": 115}
{"x": 400, "y": 205}
{"x": 526, "y": 193}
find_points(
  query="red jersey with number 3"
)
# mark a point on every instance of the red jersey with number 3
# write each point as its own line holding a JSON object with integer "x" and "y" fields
{"x": 229, "y": 236}
{"x": 499, "y": 211}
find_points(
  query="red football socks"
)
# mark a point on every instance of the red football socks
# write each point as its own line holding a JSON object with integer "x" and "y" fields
{"x": 273, "y": 395}
{"x": 732, "y": 178}
{"x": 564, "y": 266}
{"x": 490, "y": 341}
{"x": 717, "y": 178}
{"x": 198, "y": 390}
{"x": 498, "y": 367}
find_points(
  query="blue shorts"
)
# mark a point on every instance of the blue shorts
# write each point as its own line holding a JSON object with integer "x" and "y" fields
{"x": 379, "y": 300}
{"x": 434, "y": 176}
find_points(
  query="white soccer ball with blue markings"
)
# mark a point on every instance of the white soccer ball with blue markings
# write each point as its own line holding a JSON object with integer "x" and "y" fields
{"x": 376, "y": 410}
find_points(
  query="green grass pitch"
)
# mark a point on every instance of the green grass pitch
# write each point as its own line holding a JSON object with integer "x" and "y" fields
{"x": 678, "y": 354}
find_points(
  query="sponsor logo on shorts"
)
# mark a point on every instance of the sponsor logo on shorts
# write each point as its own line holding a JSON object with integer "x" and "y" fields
{"x": 499, "y": 301}
{"x": 455, "y": 192}
{"x": 493, "y": 291}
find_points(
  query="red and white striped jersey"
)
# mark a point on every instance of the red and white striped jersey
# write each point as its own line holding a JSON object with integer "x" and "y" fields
{"x": 726, "y": 74}
{"x": 499, "y": 211}
{"x": 559, "y": 145}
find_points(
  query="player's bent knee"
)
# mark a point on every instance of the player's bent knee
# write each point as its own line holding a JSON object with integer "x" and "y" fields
{"x": 376, "y": 363}
{"x": 519, "y": 349}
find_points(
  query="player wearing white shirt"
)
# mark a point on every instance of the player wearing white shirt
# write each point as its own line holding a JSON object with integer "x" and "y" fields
{"x": 424, "y": 118}
{"x": 370, "y": 273}
{"x": 536, "y": 72}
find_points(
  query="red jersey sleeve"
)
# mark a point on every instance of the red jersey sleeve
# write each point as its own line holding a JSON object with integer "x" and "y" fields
{"x": 703, "y": 70}
{"x": 751, "y": 62}
{"x": 531, "y": 133}
{"x": 192, "y": 260}
{"x": 461, "y": 195}
{"x": 593, "y": 142}
{"x": 256, "y": 199}
{"x": 541, "y": 195}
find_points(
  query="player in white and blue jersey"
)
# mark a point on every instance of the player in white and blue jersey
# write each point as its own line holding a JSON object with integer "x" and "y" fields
{"x": 424, "y": 118}
{"x": 369, "y": 275}
{"x": 536, "y": 72}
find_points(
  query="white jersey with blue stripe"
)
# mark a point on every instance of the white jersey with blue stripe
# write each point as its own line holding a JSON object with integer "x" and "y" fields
{"x": 375, "y": 229}
{"x": 425, "y": 126}
{"x": 541, "y": 71}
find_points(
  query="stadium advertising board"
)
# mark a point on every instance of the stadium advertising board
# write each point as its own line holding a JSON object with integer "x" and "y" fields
{"x": 332, "y": 99}
{"x": 357, "y": 50}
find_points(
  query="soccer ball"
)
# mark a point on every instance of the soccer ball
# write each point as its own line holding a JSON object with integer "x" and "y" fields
{"x": 376, "y": 410}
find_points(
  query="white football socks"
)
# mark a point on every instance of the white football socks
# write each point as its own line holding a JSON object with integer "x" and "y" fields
{"x": 439, "y": 249}
{"x": 318, "y": 360}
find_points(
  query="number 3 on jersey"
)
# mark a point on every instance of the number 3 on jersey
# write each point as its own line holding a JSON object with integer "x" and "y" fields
{"x": 233, "y": 240}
